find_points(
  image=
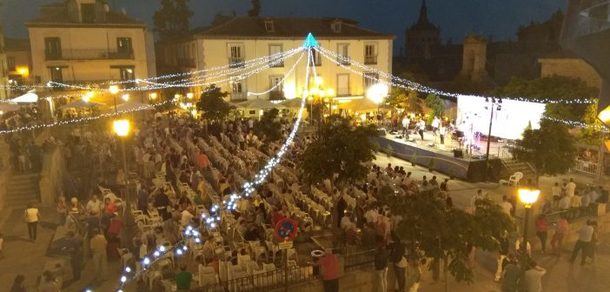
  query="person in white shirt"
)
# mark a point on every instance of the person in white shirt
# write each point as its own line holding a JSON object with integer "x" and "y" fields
{"x": 475, "y": 198}
{"x": 585, "y": 234}
{"x": 570, "y": 188}
{"x": 405, "y": 126}
{"x": 371, "y": 215}
{"x": 556, "y": 190}
{"x": 32, "y": 216}
{"x": 186, "y": 217}
{"x": 421, "y": 127}
{"x": 442, "y": 131}
{"x": 436, "y": 123}
{"x": 564, "y": 203}
{"x": 94, "y": 206}
{"x": 506, "y": 206}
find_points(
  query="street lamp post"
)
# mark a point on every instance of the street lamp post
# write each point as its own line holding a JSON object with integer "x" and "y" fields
{"x": 528, "y": 197}
{"x": 122, "y": 129}
{"x": 114, "y": 90}
{"x": 494, "y": 105}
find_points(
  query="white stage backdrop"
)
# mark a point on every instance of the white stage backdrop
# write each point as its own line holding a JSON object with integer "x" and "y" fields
{"x": 509, "y": 122}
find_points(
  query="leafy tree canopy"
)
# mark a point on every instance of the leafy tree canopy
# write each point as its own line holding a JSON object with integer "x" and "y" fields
{"x": 406, "y": 99}
{"x": 553, "y": 87}
{"x": 212, "y": 103}
{"x": 436, "y": 104}
{"x": 269, "y": 126}
{"x": 338, "y": 152}
{"x": 550, "y": 149}
{"x": 172, "y": 19}
{"x": 447, "y": 233}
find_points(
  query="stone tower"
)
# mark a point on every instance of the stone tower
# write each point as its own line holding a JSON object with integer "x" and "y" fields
{"x": 474, "y": 58}
{"x": 422, "y": 38}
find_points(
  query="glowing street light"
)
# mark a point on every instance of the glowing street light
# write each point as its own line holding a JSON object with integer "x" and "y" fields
{"x": 125, "y": 97}
{"x": 604, "y": 116}
{"x": 152, "y": 96}
{"x": 113, "y": 89}
{"x": 377, "y": 94}
{"x": 121, "y": 127}
{"x": 528, "y": 197}
{"x": 190, "y": 95}
{"x": 88, "y": 96}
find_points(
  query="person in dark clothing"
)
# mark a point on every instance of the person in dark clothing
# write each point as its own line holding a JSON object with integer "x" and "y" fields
{"x": 162, "y": 203}
{"x": 143, "y": 200}
{"x": 341, "y": 206}
{"x": 397, "y": 258}
{"x": 74, "y": 248}
{"x": 381, "y": 268}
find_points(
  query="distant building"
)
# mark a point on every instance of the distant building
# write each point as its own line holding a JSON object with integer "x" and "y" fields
{"x": 19, "y": 60}
{"x": 501, "y": 60}
{"x": 569, "y": 65}
{"x": 4, "y": 91}
{"x": 235, "y": 40}
{"x": 84, "y": 41}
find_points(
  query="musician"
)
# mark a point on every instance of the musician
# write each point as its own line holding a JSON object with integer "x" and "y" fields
{"x": 421, "y": 127}
{"x": 442, "y": 130}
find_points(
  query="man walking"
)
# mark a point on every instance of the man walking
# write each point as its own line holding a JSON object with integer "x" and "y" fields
{"x": 98, "y": 246}
{"x": 585, "y": 234}
{"x": 32, "y": 216}
{"x": 399, "y": 262}
{"x": 381, "y": 268}
{"x": 329, "y": 268}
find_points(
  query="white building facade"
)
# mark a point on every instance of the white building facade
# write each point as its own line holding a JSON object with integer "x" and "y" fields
{"x": 84, "y": 41}
{"x": 4, "y": 90}
{"x": 246, "y": 38}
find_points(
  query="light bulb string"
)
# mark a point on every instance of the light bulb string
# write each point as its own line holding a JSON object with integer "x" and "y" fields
{"x": 280, "y": 82}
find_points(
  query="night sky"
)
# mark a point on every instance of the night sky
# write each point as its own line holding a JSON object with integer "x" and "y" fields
{"x": 497, "y": 18}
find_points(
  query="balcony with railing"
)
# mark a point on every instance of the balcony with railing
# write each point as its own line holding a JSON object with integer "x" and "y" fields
{"x": 89, "y": 54}
{"x": 276, "y": 95}
{"x": 343, "y": 60}
{"x": 370, "y": 60}
{"x": 276, "y": 63}
{"x": 236, "y": 62}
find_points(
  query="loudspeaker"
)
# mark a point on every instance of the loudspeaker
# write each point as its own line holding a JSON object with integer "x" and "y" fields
{"x": 458, "y": 153}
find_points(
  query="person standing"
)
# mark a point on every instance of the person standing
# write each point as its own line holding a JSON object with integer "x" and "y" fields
{"x": 442, "y": 131}
{"x": 506, "y": 206}
{"x": 399, "y": 262}
{"x": 183, "y": 280}
{"x": 381, "y": 268}
{"x": 32, "y": 216}
{"x": 511, "y": 275}
{"x": 74, "y": 247}
{"x": 542, "y": 228}
{"x": 502, "y": 256}
{"x": 561, "y": 229}
{"x": 329, "y": 269}
{"x": 62, "y": 210}
{"x": 421, "y": 127}
{"x": 98, "y": 246}
{"x": 585, "y": 234}
{"x": 570, "y": 188}
{"x": 533, "y": 278}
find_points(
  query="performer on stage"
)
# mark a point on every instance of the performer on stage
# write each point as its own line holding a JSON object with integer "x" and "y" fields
{"x": 405, "y": 126}
{"x": 421, "y": 127}
{"x": 436, "y": 122}
{"x": 442, "y": 131}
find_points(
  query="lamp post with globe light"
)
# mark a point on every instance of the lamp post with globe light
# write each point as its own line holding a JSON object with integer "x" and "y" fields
{"x": 122, "y": 128}
{"x": 114, "y": 90}
{"x": 528, "y": 197}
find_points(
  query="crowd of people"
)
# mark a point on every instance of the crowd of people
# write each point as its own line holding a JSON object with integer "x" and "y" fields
{"x": 180, "y": 168}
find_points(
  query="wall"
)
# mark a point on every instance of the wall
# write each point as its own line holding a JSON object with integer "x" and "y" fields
{"x": 215, "y": 53}
{"x": 570, "y": 67}
{"x": 52, "y": 175}
{"x": 90, "y": 38}
{"x": 3, "y": 69}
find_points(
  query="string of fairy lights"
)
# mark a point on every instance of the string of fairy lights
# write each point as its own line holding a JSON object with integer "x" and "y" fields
{"x": 227, "y": 73}
{"x": 214, "y": 217}
{"x": 414, "y": 86}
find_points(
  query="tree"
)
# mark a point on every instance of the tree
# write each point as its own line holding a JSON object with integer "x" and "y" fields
{"x": 338, "y": 152}
{"x": 554, "y": 88}
{"x": 256, "y": 8}
{"x": 269, "y": 126}
{"x": 436, "y": 104}
{"x": 550, "y": 149}
{"x": 212, "y": 103}
{"x": 172, "y": 19}
{"x": 405, "y": 99}
{"x": 447, "y": 234}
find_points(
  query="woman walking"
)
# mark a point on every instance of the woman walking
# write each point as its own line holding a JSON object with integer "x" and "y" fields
{"x": 32, "y": 216}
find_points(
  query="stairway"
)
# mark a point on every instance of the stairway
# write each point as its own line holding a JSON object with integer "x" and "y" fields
{"x": 22, "y": 189}
{"x": 510, "y": 166}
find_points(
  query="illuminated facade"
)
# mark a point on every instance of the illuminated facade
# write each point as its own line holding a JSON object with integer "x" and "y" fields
{"x": 18, "y": 60}
{"x": 240, "y": 39}
{"x": 3, "y": 69}
{"x": 84, "y": 41}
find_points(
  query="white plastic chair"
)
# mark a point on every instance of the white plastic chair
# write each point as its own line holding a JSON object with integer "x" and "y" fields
{"x": 515, "y": 178}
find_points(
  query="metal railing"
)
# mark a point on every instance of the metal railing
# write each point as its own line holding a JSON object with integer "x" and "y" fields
{"x": 344, "y": 60}
{"x": 89, "y": 54}
{"x": 236, "y": 62}
{"x": 276, "y": 95}
{"x": 360, "y": 260}
{"x": 238, "y": 96}
{"x": 370, "y": 60}
{"x": 586, "y": 167}
{"x": 264, "y": 281}
{"x": 276, "y": 63}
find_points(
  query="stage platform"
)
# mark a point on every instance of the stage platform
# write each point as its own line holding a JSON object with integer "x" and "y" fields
{"x": 438, "y": 157}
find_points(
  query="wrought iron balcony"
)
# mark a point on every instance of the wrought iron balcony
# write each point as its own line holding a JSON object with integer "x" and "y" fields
{"x": 370, "y": 60}
{"x": 236, "y": 62}
{"x": 89, "y": 54}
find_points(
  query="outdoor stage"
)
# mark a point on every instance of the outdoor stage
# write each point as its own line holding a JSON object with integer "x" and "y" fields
{"x": 441, "y": 158}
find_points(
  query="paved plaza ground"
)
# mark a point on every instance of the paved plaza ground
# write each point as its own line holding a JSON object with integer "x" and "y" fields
{"x": 24, "y": 257}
